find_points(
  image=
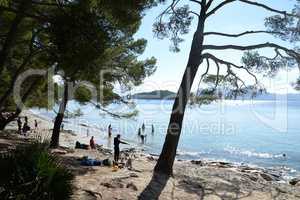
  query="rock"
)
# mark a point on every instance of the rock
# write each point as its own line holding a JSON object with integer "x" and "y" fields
{"x": 59, "y": 151}
{"x": 224, "y": 164}
{"x": 108, "y": 185}
{"x": 211, "y": 197}
{"x": 150, "y": 158}
{"x": 220, "y": 164}
{"x": 251, "y": 177}
{"x": 132, "y": 186}
{"x": 295, "y": 181}
{"x": 245, "y": 168}
{"x": 197, "y": 162}
{"x": 113, "y": 185}
{"x": 133, "y": 175}
{"x": 267, "y": 177}
{"x": 94, "y": 194}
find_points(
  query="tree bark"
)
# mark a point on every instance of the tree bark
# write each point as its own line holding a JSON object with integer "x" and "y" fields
{"x": 166, "y": 159}
{"x": 12, "y": 33}
{"x": 3, "y": 124}
{"x": 10, "y": 88}
{"x": 59, "y": 118}
{"x": 5, "y": 121}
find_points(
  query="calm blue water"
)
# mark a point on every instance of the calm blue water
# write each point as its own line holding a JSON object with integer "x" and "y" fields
{"x": 251, "y": 132}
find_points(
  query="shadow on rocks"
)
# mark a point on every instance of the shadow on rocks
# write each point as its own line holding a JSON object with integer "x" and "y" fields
{"x": 155, "y": 187}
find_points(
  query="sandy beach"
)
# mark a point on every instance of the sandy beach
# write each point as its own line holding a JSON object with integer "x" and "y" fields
{"x": 191, "y": 180}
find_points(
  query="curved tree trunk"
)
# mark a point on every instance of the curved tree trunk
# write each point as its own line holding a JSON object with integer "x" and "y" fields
{"x": 12, "y": 33}
{"x": 3, "y": 124}
{"x": 5, "y": 121}
{"x": 10, "y": 88}
{"x": 166, "y": 159}
{"x": 59, "y": 118}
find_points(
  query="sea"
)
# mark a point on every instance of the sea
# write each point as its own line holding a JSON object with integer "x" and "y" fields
{"x": 261, "y": 132}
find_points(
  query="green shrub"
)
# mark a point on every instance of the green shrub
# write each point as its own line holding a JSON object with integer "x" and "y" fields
{"x": 31, "y": 172}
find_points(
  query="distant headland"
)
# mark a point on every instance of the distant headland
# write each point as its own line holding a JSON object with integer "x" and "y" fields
{"x": 156, "y": 94}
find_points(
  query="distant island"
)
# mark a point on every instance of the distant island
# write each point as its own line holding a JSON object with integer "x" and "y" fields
{"x": 156, "y": 94}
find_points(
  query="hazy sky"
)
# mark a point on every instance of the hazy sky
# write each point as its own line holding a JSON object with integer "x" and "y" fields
{"x": 234, "y": 18}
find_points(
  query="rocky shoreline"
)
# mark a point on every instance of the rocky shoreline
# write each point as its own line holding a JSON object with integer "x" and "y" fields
{"x": 196, "y": 179}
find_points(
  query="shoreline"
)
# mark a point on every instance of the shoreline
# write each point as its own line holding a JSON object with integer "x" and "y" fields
{"x": 69, "y": 137}
{"x": 234, "y": 154}
{"x": 213, "y": 180}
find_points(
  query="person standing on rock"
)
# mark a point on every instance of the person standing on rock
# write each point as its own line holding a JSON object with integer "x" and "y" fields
{"x": 117, "y": 142}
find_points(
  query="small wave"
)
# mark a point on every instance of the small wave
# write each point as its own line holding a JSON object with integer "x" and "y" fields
{"x": 189, "y": 153}
{"x": 250, "y": 153}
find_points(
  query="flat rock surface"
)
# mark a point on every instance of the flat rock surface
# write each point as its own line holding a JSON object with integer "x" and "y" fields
{"x": 191, "y": 181}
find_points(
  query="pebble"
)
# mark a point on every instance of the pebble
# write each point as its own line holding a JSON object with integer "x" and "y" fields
{"x": 295, "y": 181}
{"x": 132, "y": 186}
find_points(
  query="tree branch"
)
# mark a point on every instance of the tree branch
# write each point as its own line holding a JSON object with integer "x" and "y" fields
{"x": 269, "y": 8}
{"x": 293, "y": 54}
{"x": 171, "y": 7}
{"x": 219, "y": 7}
{"x": 116, "y": 115}
{"x": 204, "y": 74}
{"x": 195, "y": 1}
{"x": 44, "y": 3}
{"x": 218, "y": 60}
{"x": 192, "y": 12}
{"x": 37, "y": 17}
{"x": 218, "y": 74}
{"x": 209, "y": 4}
{"x": 290, "y": 52}
{"x": 240, "y": 34}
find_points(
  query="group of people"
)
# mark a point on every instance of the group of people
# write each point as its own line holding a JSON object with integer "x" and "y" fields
{"x": 118, "y": 141}
{"x": 24, "y": 128}
{"x": 141, "y": 132}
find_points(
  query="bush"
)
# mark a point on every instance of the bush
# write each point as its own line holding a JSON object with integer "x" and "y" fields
{"x": 31, "y": 172}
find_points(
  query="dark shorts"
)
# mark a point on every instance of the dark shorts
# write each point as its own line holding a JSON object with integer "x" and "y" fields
{"x": 117, "y": 150}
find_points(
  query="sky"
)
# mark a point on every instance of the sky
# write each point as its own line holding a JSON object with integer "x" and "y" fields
{"x": 234, "y": 18}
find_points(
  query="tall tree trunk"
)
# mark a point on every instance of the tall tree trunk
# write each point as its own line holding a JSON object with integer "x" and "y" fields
{"x": 166, "y": 159}
{"x": 10, "y": 88}
{"x": 59, "y": 118}
{"x": 12, "y": 33}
